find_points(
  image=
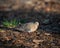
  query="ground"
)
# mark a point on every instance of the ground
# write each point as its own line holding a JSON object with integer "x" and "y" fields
{"x": 37, "y": 39}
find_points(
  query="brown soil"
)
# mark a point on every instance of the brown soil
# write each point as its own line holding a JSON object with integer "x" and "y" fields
{"x": 37, "y": 39}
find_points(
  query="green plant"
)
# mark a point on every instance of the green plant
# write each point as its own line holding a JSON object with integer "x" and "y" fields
{"x": 11, "y": 24}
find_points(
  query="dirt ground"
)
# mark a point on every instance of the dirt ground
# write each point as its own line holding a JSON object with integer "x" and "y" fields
{"x": 37, "y": 39}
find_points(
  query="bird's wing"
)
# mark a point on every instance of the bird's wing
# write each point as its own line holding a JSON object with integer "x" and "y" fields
{"x": 26, "y": 27}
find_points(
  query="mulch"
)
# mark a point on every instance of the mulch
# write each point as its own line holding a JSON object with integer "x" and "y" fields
{"x": 37, "y": 39}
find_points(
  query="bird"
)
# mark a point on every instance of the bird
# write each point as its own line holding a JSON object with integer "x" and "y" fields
{"x": 28, "y": 27}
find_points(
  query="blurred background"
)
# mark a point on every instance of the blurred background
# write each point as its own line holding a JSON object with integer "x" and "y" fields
{"x": 46, "y": 12}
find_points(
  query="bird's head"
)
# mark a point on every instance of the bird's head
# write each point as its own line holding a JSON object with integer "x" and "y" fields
{"x": 37, "y": 23}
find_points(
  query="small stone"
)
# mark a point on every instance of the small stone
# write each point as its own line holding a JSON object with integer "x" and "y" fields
{"x": 35, "y": 46}
{"x": 47, "y": 34}
{"x": 2, "y": 30}
{"x": 37, "y": 41}
{"x": 6, "y": 38}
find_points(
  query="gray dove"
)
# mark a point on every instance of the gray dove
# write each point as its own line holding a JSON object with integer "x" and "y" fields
{"x": 28, "y": 27}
